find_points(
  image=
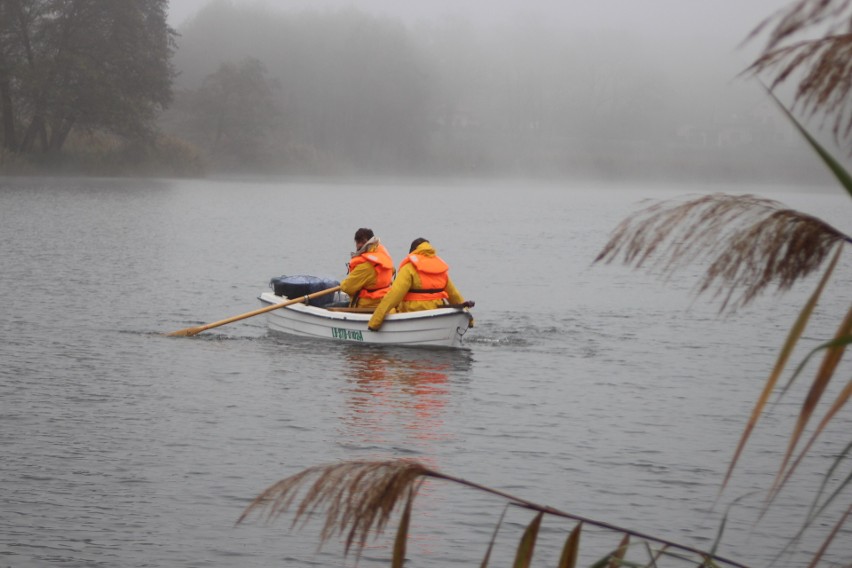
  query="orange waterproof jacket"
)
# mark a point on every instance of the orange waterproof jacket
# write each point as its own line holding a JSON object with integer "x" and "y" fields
{"x": 382, "y": 263}
{"x": 433, "y": 273}
{"x": 409, "y": 279}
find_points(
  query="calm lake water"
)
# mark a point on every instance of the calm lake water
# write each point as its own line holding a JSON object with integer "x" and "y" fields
{"x": 591, "y": 388}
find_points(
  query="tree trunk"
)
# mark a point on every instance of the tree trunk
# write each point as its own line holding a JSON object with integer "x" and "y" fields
{"x": 220, "y": 130}
{"x": 7, "y": 115}
{"x": 32, "y": 134}
{"x": 59, "y": 134}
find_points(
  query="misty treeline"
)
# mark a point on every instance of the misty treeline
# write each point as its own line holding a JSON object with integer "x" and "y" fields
{"x": 342, "y": 91}
{"x": 110, "y": 87}
{"x": 97, "y": 69}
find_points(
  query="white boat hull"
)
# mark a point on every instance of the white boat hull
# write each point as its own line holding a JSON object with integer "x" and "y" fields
{"x": 443, "y": 327}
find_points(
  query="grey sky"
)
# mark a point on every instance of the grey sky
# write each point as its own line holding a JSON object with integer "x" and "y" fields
{"x": 669, "y": 30}
{"x": 726, "y": 20}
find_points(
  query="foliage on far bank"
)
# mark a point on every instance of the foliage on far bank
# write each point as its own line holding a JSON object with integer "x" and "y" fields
{"x": 362, "y": 94}
{"x": 102, "y": 154}
{"x": 82, "y": 67}
{"x": 231, "y": 116}
{"x": 341, "y": 92}
{"x": 330, "y": 92}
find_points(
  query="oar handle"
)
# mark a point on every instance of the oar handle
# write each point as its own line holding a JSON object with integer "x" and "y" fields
{"x": 195, "y": 330}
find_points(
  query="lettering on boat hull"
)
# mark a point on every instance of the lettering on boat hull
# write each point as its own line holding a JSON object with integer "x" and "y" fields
{"x": 350, "y": 334}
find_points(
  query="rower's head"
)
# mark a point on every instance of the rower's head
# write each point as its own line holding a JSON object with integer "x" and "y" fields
{"x": 362, "y": 235}
{"x": 416, "y": 243}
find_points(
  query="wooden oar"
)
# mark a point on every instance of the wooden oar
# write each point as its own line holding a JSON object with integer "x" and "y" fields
{"x": 195, "y": 330}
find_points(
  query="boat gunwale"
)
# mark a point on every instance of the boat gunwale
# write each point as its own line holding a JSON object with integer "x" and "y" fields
{"x": 319, "y": 312}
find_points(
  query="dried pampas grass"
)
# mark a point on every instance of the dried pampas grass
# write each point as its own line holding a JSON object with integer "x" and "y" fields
{"x": 358, "y": 495}
{"x": 751, "y": 243}
{"x": 824, "y": 64}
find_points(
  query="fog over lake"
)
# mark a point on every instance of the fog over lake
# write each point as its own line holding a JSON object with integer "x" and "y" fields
{"x": 539, "y": 89}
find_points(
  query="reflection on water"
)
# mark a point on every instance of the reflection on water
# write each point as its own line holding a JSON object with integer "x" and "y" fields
{"x": 396, "y": 402}
{"x": 399, "y": 390}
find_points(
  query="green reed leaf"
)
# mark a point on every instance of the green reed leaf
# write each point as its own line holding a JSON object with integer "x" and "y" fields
{"x": 617, "y": 558}
{"x": 818, "y": 509}
{"x": 839, "y": 342}
{"x": 813, "y": 514}
{"x": 839, "y": 403}
{"x": 523, "y": 557}
{"x": 494, "y": 537}
{"x": 830, "y": 538}
{"x": 792, "y": 338}
{"x": 571, "y": 550}
{"x": 839, "y": 172}
{"x": 722, "y": 525}
{"x": 820, "y": 383}
{"x": 654, "y": 556}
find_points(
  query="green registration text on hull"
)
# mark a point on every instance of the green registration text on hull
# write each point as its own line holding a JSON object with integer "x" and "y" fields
{"x": 350, "y": 334}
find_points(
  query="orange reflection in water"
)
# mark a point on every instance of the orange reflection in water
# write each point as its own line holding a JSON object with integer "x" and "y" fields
{"x": 395, "y": 391}
{"x": 398, "y": 397}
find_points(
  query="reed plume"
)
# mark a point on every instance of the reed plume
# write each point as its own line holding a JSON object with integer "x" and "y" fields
{"x": 751, "y": 243}
{"x": 358, "y": 495}
{"x": 825, "y": 81}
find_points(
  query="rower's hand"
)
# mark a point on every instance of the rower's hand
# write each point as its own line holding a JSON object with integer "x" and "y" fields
{"x": 469, "y": 304}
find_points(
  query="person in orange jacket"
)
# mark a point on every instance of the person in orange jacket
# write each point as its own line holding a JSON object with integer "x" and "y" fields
{"x": 422, "y": 283}
{"x": 370, "y": 271}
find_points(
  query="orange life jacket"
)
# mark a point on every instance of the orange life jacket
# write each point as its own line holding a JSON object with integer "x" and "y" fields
{"x": 433, "y": 274}
{"x": 382, "y": 262}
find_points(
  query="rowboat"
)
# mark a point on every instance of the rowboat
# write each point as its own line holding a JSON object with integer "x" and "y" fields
{"x": 443, "y": 327}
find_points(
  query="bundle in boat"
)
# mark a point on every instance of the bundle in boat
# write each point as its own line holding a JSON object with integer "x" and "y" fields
{"x": 302, "y": 285}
